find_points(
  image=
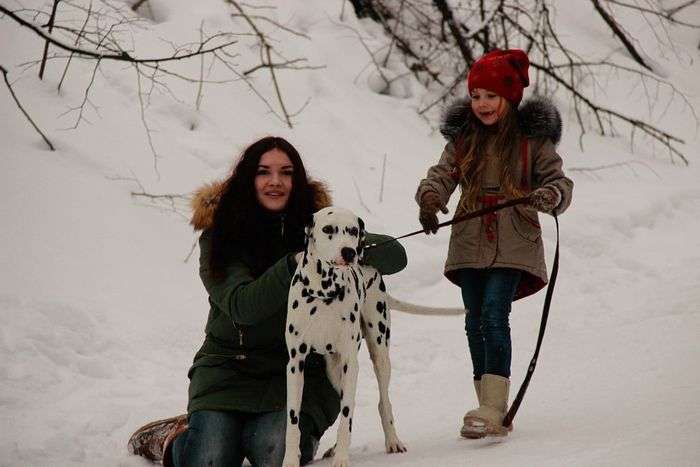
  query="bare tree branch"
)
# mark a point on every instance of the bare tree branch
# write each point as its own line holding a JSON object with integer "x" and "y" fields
{"x": 610, "y": 21}
{"x": 46, "y": 44}
{"x": 114, "y": 55}
{"x": 456, "y": 33}
{"x": 19, "y": 104}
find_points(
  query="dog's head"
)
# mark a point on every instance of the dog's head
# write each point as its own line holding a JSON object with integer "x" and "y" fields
{"x": 336, "y": 235}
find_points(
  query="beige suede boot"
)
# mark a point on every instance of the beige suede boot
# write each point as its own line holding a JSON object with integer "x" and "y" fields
{"x": 464, "y": 432}
{"x": 492, "y": 392}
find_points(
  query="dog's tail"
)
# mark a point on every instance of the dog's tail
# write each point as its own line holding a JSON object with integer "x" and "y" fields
{"x": 413, "y": 309}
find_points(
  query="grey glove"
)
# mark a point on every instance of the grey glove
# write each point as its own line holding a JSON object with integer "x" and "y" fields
{"x": 430, "y": 204}
{"x": 545, "y": 199}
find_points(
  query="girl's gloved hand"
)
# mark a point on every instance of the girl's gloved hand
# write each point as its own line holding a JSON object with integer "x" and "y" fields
{"x": 545, "y": 199}
{"x": 430, "y": 204}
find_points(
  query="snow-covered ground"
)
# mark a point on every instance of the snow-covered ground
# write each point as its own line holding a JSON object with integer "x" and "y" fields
{"x": 101, "y": 314}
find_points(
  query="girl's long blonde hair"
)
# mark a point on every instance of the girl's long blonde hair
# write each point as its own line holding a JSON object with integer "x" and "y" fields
{"x": 471, "y": 147}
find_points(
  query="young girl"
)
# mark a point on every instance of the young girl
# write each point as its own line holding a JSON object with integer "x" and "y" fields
{"x": 252, "y": 230}
{"x": 495, "y": 152}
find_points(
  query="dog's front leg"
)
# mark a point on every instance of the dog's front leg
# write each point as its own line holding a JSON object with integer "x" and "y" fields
{"x": 376, "y": 324}
{"x": 295, "y": 388}
{"x": 347, "y": 408}
{"x": 382, "y": 370}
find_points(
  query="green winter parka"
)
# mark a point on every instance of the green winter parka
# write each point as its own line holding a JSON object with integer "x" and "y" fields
{"x": 242, "y": 363}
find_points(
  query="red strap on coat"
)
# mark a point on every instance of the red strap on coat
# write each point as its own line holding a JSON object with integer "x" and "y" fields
{"x": 523, "y": 158}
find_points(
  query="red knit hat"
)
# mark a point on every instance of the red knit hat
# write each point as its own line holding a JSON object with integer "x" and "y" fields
{"x": 501, "y": 71}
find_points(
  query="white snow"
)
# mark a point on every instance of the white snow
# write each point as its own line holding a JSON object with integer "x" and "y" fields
{"x": 101, "y": 314}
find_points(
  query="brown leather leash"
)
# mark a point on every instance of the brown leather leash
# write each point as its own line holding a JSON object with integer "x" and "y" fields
{"x": 458, "y": 219}
{"x": 508, "y": 420}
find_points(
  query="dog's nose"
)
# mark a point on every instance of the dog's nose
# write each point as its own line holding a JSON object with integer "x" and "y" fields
{"x": 348, "y": 254}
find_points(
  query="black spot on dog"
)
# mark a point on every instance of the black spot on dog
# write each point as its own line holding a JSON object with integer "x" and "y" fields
{"x": 370, "y": 282}
{"x": 358, "y": 337}
{"x": 380, "y": 306}
{"x": 346, "y": 411}
{"x": 382, "y": 287}
{"x": 343, "y": 318}
{"x": 301, "y": 366}
{"x": 295, "y": 279}
{"x": 304, "y": 292}
{"x": 310, "y": 299}
{"x": 291, "y": 328}
{"x": 319, "y": 266}
{"x": 352, "y": 317}
{"x": 370, "y": 325}
{"x": 355, "y": 307}
{"x": 388, "y": 333}
{"x": 345, "y": 368}
{"x": 302, "y": 348}
{"x": 294, "y": 370}
{"x": 350, "y": 425}
{"x": 312, "y": 311}
{"x": 293, "y": 352}
{"x": 329, "y": 347}
{"x": 341, "y": 393}
{"x": 295, "y": 304}
{"x": 306, "y": 281}
{"x": 379, "y": 339}
{"x": 293, "y": 418}
{"x": 382, "y": 327}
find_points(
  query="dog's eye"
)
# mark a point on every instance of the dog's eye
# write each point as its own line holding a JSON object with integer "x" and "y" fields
{"x": 353, "y": 231}
{"x": 328, "y": 229}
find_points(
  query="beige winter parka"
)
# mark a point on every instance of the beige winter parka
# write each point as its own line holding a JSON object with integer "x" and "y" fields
{"x": 512, "y": 237}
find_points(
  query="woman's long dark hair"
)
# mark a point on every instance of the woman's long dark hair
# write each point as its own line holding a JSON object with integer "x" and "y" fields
{"x": 239, "y": 218}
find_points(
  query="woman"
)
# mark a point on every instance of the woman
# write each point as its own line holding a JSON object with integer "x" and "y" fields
{"x": 252, "y": 232}
{"x": 496, "y": 152}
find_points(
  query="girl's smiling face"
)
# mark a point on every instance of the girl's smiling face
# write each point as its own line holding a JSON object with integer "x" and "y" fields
{"x": 487, "y": 106}
{"x": 273, "y": 180}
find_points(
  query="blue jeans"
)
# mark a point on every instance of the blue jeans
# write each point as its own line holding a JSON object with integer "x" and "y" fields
{"x": 223, "y": 439}
{"x": 487, "y": 295}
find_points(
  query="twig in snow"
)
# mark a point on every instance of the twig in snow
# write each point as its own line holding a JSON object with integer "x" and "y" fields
{"x": 19, "y": 104}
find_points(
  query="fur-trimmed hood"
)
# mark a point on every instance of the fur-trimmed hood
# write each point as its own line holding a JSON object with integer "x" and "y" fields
{"x": 206, "y": 199}
{"x": 538, "y": 118}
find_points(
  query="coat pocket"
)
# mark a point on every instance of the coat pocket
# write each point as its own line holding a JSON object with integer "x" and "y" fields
{"x": 526, "y": 225}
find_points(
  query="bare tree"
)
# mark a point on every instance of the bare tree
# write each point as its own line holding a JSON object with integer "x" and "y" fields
{"x": 438, "y": 40}
{"x": 99, "y": 32}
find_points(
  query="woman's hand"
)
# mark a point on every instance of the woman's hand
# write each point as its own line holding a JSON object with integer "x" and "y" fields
{"x": 430, "y": 204}
{"x": 545, "y": 199}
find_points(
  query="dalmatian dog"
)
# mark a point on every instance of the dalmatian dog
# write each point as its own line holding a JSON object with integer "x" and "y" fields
{"x": 333, "y": 302}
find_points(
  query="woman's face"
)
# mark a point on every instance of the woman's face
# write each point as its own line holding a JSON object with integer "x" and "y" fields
{"x": 273, "y": 180}
{"x": 487, "y": 106}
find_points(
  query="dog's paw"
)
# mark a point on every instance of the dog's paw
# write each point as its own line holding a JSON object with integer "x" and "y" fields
{"x": 394, "y": 446}
{"x": 289, "y": 462}
{"x": 341, "y": 461}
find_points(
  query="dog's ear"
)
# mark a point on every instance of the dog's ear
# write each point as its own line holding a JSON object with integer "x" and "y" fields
{"x": 308, "y": 234}
{"x": 361, "y": 240}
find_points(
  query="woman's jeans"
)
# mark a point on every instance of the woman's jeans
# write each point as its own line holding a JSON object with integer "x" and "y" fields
{"x": 223, "y": 439}
{"x": 487, "y": 295}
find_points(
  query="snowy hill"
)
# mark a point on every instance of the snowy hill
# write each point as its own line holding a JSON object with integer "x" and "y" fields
{"x": 102, "y": 308}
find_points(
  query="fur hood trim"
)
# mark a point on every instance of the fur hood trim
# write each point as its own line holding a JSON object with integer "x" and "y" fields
{"x": 206, "y": 199}
{"x": 538, "y": 118}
